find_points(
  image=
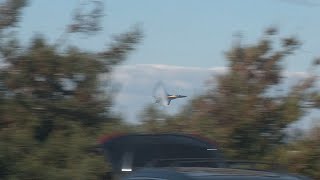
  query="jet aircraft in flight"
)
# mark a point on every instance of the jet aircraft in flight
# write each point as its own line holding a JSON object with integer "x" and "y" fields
{"x": 163, "y": 96}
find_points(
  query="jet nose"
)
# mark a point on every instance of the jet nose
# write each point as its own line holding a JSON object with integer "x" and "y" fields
{"x": 182, "y": 96}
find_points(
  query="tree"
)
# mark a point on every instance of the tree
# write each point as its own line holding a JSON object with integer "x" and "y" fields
{"x": 53, "y": 105}
{"x": 243, "y": 112}
{"x": 302, "y": 156}
{"x": 10, "y": 11}
{"x": 152, "y": 119}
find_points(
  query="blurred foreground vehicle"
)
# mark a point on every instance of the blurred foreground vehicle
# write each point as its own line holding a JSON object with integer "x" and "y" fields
{"x": 176, "y": 156}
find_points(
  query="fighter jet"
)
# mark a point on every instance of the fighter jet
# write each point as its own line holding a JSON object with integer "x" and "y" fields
{"x": 171, "y": 97}
{"x": 162, "y": 96}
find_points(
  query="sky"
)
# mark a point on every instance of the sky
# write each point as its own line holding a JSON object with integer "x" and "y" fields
{"x": 184, "y": 40}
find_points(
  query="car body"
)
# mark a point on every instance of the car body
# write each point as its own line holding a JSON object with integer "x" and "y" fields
{"x": 175, "y": 156}
{"x": 202, "y": 173}
{"x": 129, "y": 152}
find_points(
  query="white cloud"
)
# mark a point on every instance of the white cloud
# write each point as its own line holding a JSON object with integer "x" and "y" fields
{"x": 296, "y": 74}
{"x": 137, "y": 83}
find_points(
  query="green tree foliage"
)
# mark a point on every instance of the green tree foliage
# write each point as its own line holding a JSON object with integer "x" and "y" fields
{"x": 152, "y": 119}
{"x": 302, "y": 156}
{"x": 53, "y": 105}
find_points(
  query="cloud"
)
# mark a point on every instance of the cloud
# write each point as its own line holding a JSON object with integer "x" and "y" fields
{"x": 137, "y": 83}
{"x": 143, "y": 74}
{"x": 299, "y": 75}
